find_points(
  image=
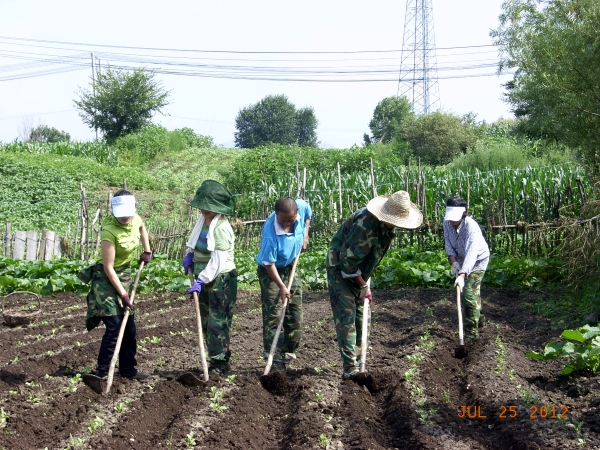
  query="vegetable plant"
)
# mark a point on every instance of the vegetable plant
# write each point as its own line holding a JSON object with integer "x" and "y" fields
{"x": 580, "y": 350}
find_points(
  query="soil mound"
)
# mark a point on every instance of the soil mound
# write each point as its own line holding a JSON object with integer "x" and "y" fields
{"x": 277, "y": 383}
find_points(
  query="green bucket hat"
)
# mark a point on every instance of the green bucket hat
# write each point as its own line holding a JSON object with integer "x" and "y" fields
{"x": 213, "y": 196}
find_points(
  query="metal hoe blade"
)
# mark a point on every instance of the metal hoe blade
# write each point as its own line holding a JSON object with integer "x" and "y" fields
{"x": 95, "y": 383}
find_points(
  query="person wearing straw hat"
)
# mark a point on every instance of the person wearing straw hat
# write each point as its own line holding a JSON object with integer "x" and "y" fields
{"x": 210, "y": 255}
{"x": 468, "y": 254}
{"x": 354, "y": 254}
{"x": 110, "y": 280}
{"x": 284, "y": 236}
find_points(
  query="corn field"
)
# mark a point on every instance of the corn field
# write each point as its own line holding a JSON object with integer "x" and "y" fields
{"x": 516, "y": 208}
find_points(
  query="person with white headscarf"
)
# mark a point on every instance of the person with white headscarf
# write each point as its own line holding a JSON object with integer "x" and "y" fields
{"x": 469, "y": 254}
{"x": 110, "y": 281}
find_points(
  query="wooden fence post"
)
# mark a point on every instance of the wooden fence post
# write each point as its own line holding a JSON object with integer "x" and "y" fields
{"x": 32, "y": 253}
{"x": 19, "y": 245}
{"x": 7, "y": 240}
{"x": 48, "y": 245}
{"x": 373, "y": 180}
{"x": 340, "y": 190}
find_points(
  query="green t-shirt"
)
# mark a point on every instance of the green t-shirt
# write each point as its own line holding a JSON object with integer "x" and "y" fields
{"x": 125, "y": 238}
{"x": 224, "y": 240}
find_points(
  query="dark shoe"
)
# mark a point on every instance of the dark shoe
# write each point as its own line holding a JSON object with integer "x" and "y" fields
{"x": 349, "y": 375}
{"x": 279, "y": 367}
{"x": 482, "y": 321}
{"x": 220, "y": 368}
{"x": 139, "y": 376}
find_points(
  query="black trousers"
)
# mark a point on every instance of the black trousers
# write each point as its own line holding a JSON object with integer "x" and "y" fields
{"x": 128, "y": 350}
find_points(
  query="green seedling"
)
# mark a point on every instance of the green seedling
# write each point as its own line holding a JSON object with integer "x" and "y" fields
{"x": 500, "y": 355}
{"x": 14, "y": 361}
{"x": 527, "y": 397}
{"x": 423, "y": 402}
{"x": 318, "y": 370}
{"x": 577, "y": 427}
{"x": 86, "y": 370}
{"x": 319, "y": 396}
{"x": 190, "y": 442}
{"x": 95, "y": 423}
{"x": 77, "y": 442}
{"x": 32, "y": 384}
{"x": 13, "y": 392}
{"x": 159, "y": 362}
{"x": 4, "y": 417}
{"x": 217, "y": 395}
{"x": 45, "y": 322}
{"x": 324, "y": 441}
{"x": 170, "y": 442}
{"x": 20, "y": 343}
{"x": 155, "y": 340}
{"x": 73, "y": 382}
{"x": 38, "y": 337}
{"x": 120, "y": 408}
{"x": 415, "y": 358}
{"x": 511, "y": 375}
{"x": 78, "y": 344}
{"x": 231, "y": 378}
{"x": 33, "y": 399}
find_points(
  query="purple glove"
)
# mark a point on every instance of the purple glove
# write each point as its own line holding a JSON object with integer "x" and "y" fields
{"x": 188, "y": 261}
{"x": 196, "y": 287}
{"x": 126, "y": 302}
{"x": 146, "y": 257}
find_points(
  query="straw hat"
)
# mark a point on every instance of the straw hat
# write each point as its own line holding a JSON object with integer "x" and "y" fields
{"x": 397, "y": 210}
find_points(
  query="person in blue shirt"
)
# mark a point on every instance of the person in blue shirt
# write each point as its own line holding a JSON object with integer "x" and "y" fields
{"x": 284, "y": 236}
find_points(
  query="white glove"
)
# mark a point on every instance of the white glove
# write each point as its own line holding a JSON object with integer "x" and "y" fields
{"x": 460, "y": 281}
{"x": 455, "y": 268}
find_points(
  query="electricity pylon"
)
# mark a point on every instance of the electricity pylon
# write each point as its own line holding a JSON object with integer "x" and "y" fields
{"x": 418, "y": 80}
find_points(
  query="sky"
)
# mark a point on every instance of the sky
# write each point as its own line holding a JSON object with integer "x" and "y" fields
{"x": 249, "y": 39}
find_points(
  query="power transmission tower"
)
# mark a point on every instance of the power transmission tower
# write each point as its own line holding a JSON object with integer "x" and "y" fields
{"x": 418, "y": 80}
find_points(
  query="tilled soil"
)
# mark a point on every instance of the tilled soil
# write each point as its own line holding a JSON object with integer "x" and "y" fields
{"x": 414, "y": 398}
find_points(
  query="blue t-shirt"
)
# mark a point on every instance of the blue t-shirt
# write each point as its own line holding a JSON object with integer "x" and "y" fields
{"x": 282, "y": 249}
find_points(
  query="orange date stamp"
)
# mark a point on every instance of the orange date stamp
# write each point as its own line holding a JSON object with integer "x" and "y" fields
{"x": 511, "y": 412}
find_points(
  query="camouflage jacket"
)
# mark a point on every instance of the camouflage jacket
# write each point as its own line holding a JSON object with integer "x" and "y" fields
{"x": 103, "y": 300}
{"x": 359, "y": 244}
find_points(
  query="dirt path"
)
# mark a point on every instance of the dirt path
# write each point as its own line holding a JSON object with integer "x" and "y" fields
{"x": 417, "y": 394}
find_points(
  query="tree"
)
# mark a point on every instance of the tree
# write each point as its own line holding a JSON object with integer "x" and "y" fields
{"x": 556, "y": 84}
{"x": 44, "y": 133}
{"x": 439, "y": 137}
{"x": 275, "y": 120}
{"x": 121, "y": 102}
{"x": 306, "y": 127}
{"x": 390, "y": 119}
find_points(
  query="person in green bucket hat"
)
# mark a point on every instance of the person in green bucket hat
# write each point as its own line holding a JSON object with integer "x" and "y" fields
{"x": 210, "y": 251}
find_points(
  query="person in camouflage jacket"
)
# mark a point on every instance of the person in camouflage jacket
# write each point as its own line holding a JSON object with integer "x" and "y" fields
{"x": 354, "y": 253}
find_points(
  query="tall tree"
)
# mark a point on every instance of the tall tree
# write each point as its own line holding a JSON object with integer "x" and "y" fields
{"x": 306, "y": 127}
{"x": 275, "y": 120}
{"x": 554, "y": 49}
{"x": 439, "y": 137}
{"x": 390, "y": 119}
{"x": 44, "y": 133}
{"x": 121, "y": 102}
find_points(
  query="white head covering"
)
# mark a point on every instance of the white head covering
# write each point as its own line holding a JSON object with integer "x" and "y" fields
{"x": 454, "y": 213}
{"x": 123, "y": 206}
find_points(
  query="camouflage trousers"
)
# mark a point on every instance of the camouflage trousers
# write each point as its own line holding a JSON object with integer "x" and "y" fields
{"x": 289, "y": 338}
{"x": 471, "y": 299}
{"x": 217, "y": 302}
{"x": 347, "y": 308}
{"x": 103, "y": 300}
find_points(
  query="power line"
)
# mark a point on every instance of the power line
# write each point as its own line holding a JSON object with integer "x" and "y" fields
{"x": 229, "y": 51}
